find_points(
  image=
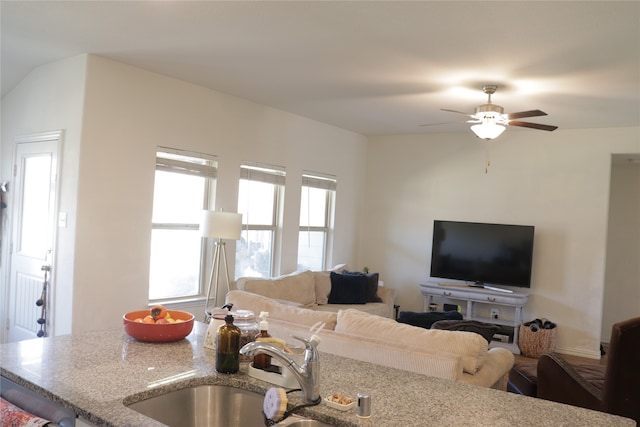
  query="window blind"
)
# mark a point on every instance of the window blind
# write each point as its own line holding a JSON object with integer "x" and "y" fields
{"x": 188, "y": 163}
{"x": 322, "y": 181}
{"x": 263, "y": 173}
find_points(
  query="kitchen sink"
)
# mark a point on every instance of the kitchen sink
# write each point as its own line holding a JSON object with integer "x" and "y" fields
{"x": 212, "y": 405}
{"x": 204, "y": 405}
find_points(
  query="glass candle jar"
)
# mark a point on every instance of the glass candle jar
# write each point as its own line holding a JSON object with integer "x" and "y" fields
{"x": 245, "y": 320}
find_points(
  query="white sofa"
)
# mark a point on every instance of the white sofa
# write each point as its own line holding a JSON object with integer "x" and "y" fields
{"x": 453, "y": 355}
{"x": 311, "y": 289}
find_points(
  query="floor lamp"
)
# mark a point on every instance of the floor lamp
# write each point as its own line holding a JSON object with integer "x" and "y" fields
{"x": 222, "y": 226}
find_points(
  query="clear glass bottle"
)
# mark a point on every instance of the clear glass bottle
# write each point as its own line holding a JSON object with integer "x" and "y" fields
{"x": 228, "y": 347}
{"x": 245, "y": 320}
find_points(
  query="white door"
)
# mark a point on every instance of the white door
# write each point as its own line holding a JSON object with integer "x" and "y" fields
{"x": 32, "y": 212}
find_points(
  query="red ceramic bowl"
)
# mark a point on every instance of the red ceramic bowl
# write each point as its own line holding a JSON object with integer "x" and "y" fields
{"x": 150, "y": 332}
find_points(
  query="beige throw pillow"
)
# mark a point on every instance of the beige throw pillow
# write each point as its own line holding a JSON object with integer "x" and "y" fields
{"x": 469, "y": 345}
{"x": 322, "y": 286}
{"x": 298, "y": 287}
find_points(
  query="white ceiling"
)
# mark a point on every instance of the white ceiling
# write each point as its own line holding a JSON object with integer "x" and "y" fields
{"x": 381, "y": 67}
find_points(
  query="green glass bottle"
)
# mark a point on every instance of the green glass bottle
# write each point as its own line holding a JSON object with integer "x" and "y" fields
{"x": 228, "y": 347}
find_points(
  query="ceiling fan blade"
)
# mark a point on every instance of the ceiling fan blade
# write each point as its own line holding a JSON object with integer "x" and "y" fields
{"x": 444, "y": 123}
{"x": 458, "y": 112}
{"x": 523, "y": 114}
{"x": 532, "y": 125}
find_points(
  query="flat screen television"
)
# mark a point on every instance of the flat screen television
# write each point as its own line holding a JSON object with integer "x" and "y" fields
{"x": 483, "y": 254}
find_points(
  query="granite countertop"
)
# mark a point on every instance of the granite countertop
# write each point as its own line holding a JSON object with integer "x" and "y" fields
{"x": 96, "y": 373}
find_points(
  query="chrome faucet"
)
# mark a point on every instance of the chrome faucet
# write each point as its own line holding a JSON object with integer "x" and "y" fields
{"x": 308, "y": 375}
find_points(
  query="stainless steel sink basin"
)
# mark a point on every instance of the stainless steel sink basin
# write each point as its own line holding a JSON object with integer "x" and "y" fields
{"x": 212, "y": 406}
{"x": 204, "y": 405}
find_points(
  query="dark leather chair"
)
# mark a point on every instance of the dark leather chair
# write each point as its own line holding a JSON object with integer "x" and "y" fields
{"x": 613, "y": 388}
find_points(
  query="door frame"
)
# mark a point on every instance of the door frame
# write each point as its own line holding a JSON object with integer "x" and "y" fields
{"x": 56, "y": 136}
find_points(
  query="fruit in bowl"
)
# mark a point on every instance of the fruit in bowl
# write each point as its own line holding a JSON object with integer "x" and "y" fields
{"x": 158, "y": 324}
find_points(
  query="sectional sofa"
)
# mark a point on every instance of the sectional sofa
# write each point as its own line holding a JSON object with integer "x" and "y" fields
{"x": 313, "y": 290}
{"x": 453, "y": 355}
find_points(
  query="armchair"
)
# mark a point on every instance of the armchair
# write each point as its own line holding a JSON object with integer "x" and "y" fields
{"x": 613, "y": 388}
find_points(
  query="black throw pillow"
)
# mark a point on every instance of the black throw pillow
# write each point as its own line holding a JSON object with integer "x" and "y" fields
{"x": 425, "y": 320}
{"x": 487, "y": 330}
{"x": 348, "y": 289}
{"x": 372, "y": 284}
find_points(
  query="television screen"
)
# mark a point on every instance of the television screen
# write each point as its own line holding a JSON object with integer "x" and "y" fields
{"x": 499, "y": 254}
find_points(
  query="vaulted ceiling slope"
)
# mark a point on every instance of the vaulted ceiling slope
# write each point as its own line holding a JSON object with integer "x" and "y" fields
{"x": 379, "y": 67}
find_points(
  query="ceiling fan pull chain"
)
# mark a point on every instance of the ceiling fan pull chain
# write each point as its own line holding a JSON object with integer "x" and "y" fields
{"x": 487, "y": 157}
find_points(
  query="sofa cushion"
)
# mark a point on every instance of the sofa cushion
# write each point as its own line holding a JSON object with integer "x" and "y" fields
{"x": 243, "y": 300}
{"x": 407, "y": 358}
{"x": 377, "y": 308}
{"x": 523, "y": 378}
{"x": 372, "y": 284}
{"x": 348, "y": 289}
{"x": 323, "y": 283}
{"x": 470, "y": 346}
{"x": 297, "y": 287}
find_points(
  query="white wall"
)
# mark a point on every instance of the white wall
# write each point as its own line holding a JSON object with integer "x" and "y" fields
{"x": 114, "y": 117}
{"x": 622, "y": 274}
{"x": 128, "y": 114}
{"x": 50, "y": 98}
{"x": 558, "y": 182}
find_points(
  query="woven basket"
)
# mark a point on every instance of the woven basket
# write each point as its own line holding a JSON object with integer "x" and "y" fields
{"x": 535, "y": 344}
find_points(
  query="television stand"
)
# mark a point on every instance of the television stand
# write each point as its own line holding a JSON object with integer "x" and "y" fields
{"x": 475, "y": 285}
{"x": 478, "y": 303}
{"x": 493, "y": 288}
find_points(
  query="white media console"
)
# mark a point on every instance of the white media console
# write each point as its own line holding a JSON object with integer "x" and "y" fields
{"x": 474, "y": 298}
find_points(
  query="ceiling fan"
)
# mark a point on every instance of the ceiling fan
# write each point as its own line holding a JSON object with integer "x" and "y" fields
{"x": 490, "y": 120}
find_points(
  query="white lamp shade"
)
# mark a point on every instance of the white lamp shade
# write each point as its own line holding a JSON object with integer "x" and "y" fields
{"x": 221, "y": 225}
{"x": 487, "y": 130}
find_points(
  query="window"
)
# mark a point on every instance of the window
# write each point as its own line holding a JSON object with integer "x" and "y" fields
{"x": 184, "y": 185}
{"x": 260, "y": 197}
{"x": 316, "y": 218}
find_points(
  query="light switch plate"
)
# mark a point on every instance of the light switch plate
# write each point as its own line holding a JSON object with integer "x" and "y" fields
{"x": 62, "y": 220}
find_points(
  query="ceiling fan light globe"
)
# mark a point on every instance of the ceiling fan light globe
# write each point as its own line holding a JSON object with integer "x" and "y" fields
{"x": 487, "y": 131}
